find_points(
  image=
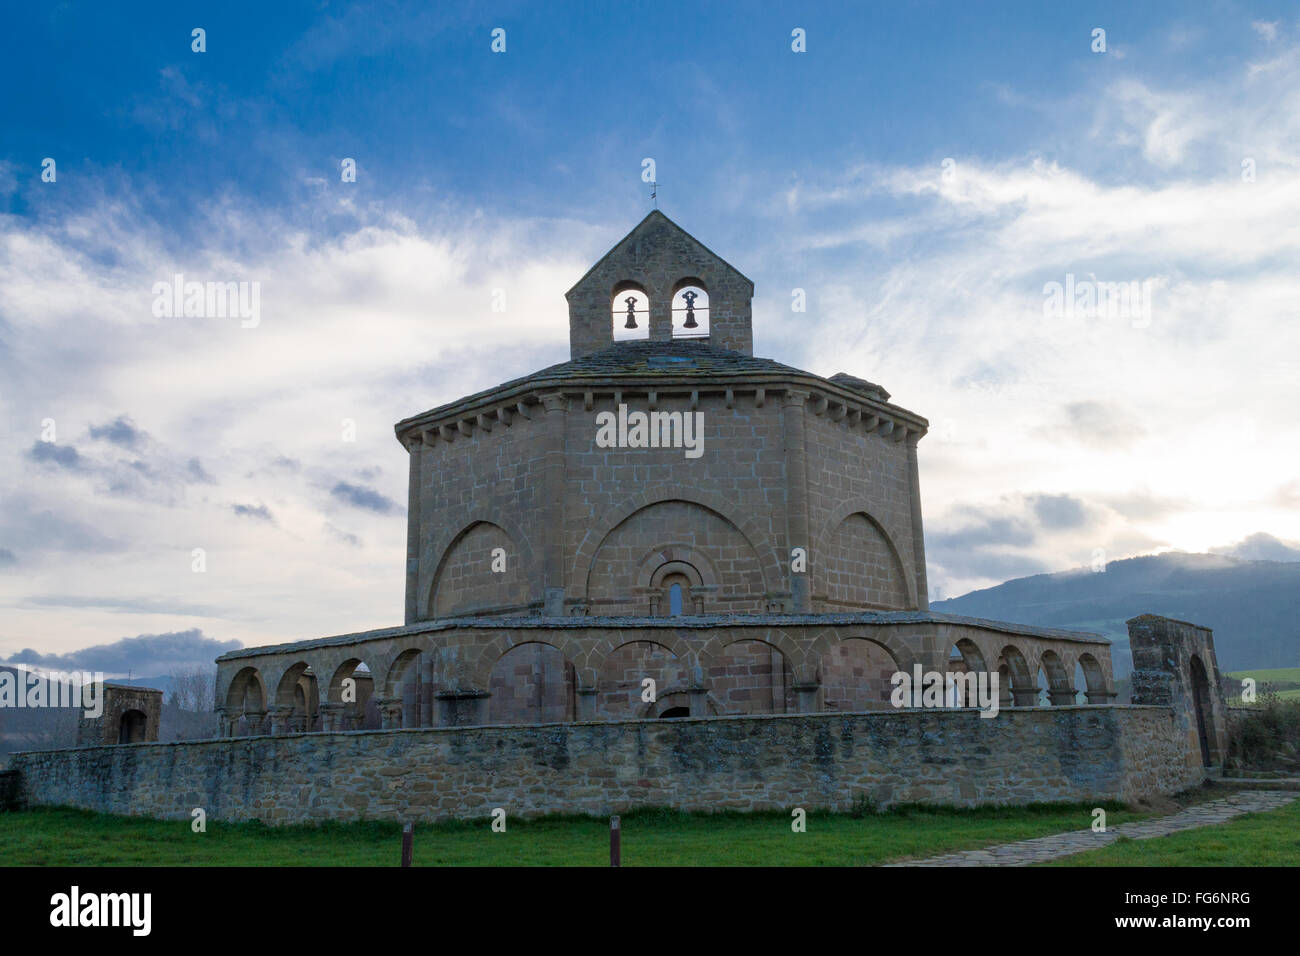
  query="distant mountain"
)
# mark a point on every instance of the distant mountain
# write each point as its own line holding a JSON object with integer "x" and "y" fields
{"x": 1252, "y": 606}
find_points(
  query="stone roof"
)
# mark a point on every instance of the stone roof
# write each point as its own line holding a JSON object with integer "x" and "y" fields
{"x": 706, "y": 622}
{"x": 643, "y": 361}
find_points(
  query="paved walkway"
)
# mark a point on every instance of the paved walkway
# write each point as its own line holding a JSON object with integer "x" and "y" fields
{"x": 1042, "y": 849}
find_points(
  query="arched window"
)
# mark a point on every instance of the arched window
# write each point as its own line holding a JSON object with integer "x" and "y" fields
{"x": 676, "y": 591}
{"x": 690, "y": 310}
{"x": 630, "y": 312}
{"x": 675, "y": 600}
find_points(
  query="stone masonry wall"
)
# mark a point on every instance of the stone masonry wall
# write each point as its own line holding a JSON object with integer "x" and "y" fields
{"x": 752, "y": 763}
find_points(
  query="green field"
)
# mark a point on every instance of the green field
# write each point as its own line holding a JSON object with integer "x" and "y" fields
{"x": 1255, "y": 839}
{"x": 1277, "y": 674}
{"x": 67, "y": 837}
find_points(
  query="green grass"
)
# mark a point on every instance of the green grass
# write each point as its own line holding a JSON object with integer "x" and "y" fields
{"x": 1254, "y": 839}
{"x": 1275, "y": 674}
{"x": 66, "y": 837}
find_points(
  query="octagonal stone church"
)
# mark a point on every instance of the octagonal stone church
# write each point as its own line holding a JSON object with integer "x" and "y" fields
{"x": 663, "y": 526}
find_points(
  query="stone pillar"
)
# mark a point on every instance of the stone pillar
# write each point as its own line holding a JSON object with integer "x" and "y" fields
{"x": 807, "y": 695}
{"x": 1101, "y": 697}
{"x": 223, "y": 722}
{"x": 699, "y": 701}
{"x": 552, "y": 555}
{"x": 1063, "y": 697}
{"x": 426, "y": 691}
{"x": 462, "y": 709}
{"x": 1174, "y": 665}
{"x": 918, "y": 535}
{"x": 585, "y": 704}
{"x": 254, "y": 718}
{"x": 1024, "y": 696}
{"x": 280, "y": 717}
{"x": 390, "y": 713}
{"x": 415, "y": 449}
{"x": 661, "y": 314}
{"x": 331, "y": 717}
{"x": 796, "y": 505}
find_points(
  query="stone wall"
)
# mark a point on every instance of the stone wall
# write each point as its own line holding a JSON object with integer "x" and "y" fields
{"x": 1174, "y": 664}
{"x": 1087, "y": 753}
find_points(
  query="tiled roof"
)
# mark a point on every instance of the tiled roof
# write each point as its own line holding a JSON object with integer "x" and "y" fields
{"x": 641, "y": 360}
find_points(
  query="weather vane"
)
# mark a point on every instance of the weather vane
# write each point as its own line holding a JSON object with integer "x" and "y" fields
{"x": 654, "y": 194}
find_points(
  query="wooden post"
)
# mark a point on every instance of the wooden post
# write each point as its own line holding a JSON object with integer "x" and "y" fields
{"x": 407, "y": 840}
{"x": 615, "y": 849}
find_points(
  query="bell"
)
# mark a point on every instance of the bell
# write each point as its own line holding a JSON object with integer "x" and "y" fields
{"x": 631, "y": 313}
{"x": 690, "y": 322}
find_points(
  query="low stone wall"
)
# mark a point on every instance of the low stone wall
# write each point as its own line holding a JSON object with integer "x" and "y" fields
{"x": 1083, "y": 753}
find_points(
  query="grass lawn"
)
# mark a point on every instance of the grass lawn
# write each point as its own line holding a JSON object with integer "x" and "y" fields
{"x": 66, "y": 837}
{"x": 1255, "y": 839}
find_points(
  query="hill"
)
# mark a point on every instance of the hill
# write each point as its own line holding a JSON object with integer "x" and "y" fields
{"x": 1252, "y": 606}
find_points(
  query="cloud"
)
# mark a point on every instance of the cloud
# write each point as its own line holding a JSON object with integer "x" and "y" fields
{"x": 1059, "y": 511}
{"x": 1261, "y": 546}
{"x": 121, "y": 431}
{"x": 7, "y": 558}
{"x": 361, "y": 497}
{"x": 150, "y": 655}
{"x": 261, "y": 512}
{"x": 1266, "y": 29}
{"x": 65, "y": 456}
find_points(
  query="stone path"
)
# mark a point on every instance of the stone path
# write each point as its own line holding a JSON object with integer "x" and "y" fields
{"x": 1042, "y": 849}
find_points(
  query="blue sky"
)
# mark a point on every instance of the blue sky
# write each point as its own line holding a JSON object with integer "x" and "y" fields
{"x": 822, "y": 170}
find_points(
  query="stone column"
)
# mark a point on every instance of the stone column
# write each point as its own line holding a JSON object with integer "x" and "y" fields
{"x": 426, "y": 690}
{"x": 415, "y": 449}
{"x": 918, "y": 535}
{"x": 390, "y": 713}
{"x": 1101, "y": 697}
{"x": 807, "y": 694}
{"x": 699, "y": 701}
{"x": 223, "y": 722}
{"x": 585, "y": 704}
{"x": 254, "y": 718}
{"x": 1061, "y": 698}
{"x": 1024, "y": 696}
{"x": 331, "y": 718}
{"x": 280, "y": 719}
{"x": 552, "y": 555}
{"x": 462, "y": 709}
{"x": 796, "y": 505}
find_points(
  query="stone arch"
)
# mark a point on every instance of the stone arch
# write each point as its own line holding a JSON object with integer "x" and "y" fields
{"x": 1013, "y": 668}
{"x": 299, "y": 692}
{"x": 246, "y": 688}
{"x": 677, "y": 699}
{"x": 1203, "y": 711}
{"x": 592, "y": 662}
{"x": 359, "y": 714}
{"x": 824, "y": 571}
{"x": 132, "y": 728}
{"x": 1059, "y": 690}
{"x": 533, "y": 682}
{"x": 854, "y": 674}
{"x": 750, "y": 674}
{"x": 965, "y": 657}
{"x": 585, "y": 555}
{"x": 641, "y": 305}
{"x": 511, "y": 588}
{"x": 624, "y": 667}
{"x": 1094, "y": 678}
{"x": 678, "y": 308}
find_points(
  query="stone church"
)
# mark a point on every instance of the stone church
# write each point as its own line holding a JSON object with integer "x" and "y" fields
{"x": 747, "y": 540}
